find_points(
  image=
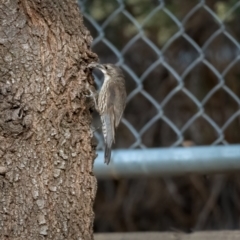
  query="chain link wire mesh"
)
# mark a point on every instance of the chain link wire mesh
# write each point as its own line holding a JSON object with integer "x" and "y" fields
{"x": 181, "y": 64}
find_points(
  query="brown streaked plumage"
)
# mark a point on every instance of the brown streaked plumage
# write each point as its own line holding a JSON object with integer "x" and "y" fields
{"x": 111, "y": 103}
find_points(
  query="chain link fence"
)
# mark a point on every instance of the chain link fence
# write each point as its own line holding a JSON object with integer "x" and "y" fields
{"x": 182, "y": 67}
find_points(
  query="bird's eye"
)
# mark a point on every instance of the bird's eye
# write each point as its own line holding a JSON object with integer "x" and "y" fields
{"x": 106, "y": 67}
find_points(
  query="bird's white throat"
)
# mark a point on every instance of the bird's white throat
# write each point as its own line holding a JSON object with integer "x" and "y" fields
{"x": 106, "y": 77}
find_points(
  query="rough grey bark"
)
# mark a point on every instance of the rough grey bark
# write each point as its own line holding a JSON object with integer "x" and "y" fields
{"x": 47, "y": 187}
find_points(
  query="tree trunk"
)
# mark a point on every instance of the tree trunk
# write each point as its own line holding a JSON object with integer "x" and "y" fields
{"x": 47, "y": 187}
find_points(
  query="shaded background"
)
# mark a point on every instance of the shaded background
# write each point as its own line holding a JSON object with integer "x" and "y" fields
{"x": 182, "y": 66}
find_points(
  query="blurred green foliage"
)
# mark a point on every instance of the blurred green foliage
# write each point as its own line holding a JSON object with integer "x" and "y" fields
{"x": 160, "y": 27}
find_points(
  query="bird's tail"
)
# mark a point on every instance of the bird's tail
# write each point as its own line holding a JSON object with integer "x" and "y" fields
{"x": 109, "y": 134}
{"x": 107, "y": 154}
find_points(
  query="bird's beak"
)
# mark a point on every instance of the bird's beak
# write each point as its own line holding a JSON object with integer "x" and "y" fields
{"x": 95, "y": 65}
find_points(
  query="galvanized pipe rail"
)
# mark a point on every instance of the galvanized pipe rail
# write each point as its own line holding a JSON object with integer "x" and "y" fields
{"x": 168, "y": 161}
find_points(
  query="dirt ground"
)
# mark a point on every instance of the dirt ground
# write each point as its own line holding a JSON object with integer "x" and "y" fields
{"x": 211, "y": 235}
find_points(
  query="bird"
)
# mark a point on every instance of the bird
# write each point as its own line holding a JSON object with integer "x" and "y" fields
{"x": 110, "y": 103}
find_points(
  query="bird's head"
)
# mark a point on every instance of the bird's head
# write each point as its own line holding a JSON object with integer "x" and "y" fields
{"x": 109, "y": 69}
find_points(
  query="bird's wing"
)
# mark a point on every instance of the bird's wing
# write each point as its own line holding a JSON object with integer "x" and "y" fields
{"x": 117, "y": 100}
